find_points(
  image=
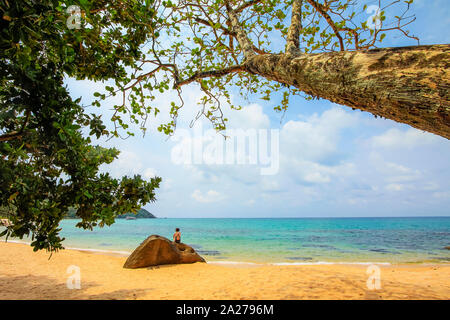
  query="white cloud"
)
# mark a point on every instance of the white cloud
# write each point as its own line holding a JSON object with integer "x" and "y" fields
{"x": 202, "y": 174}
{"x": 249, "y": 117}
{"x": 250, "y": 202}
{"x": 317, "y": 177}
{"x": 270, "y": 185}
{"x": 167, "y": 183}
{"x": 442, "y": 195}
{"x": 312, "y": 172}
{"x": 209, "y": 196}
{"x": 309, "y": 147}
{"x": 395, "y": 187}
{"x": 128, "y": 163}
{"x": 317, "y": 137}
{"x": 411, "y": 138}
{"x": 149, "y": 173}
{"x": 397, "y": 167}
{"x": 430, "y": 186}
{"x": 391, "y": 171}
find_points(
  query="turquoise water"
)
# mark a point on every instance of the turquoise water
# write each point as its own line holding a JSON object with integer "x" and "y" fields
{"x": 302, "y": 240}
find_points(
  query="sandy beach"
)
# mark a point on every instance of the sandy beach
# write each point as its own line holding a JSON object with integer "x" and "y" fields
{"x": 25, "y": 274}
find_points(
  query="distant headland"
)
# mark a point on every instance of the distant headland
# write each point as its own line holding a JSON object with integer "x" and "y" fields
{"x": 142, "y": 213}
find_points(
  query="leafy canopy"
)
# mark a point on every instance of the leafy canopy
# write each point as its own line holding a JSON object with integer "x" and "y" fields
{"x": 208, "y": 42}
{"x": 47, "y": 164}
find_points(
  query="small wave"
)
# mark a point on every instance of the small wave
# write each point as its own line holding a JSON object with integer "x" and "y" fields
{"x": 126, "y": 253}
{"x": 326, "y": 263}
{"x": 18, "y": 241}
{"x": 299, "y": 258}
{"x": 234, "y": 262}
{"x": 297, "y": 263}
{"x": 209, "y": 252}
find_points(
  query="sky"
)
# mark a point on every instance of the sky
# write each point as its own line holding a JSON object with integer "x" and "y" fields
{"x": 327, "y": 160}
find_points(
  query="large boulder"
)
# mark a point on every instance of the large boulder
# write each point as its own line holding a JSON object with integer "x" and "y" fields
{"x": 157, "y": 250}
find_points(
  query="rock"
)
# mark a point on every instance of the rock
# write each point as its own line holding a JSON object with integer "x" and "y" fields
{"x": 448, "y": 247}
{"x": 157, "y": 250}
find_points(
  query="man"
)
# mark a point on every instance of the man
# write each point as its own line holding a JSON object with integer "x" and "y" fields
{"x": 177, "y": 236}
{"x": 5, "y": 222}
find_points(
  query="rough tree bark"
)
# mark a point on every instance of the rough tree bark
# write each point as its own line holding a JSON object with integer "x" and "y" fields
{"x": 405, "y": 84}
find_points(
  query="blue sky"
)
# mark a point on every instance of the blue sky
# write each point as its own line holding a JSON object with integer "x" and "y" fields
{"x": 333, "y": 161}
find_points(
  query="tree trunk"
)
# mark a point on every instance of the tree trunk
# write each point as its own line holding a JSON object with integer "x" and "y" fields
{"x": 405, "y": 84}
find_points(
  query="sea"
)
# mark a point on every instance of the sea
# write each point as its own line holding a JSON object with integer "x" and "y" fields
{"x": 280, "y": 241}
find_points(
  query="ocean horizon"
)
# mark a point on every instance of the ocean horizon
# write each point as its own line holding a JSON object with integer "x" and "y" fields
{"x": 282, "y": 241}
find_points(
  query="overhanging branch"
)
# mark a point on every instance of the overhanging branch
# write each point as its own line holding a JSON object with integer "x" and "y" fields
{"x": 207, "y": 74}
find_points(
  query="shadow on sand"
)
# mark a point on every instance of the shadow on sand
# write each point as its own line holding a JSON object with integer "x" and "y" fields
{"x": 33, "y": 287}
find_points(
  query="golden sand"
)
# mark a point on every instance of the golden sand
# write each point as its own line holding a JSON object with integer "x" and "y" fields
{"x": 25, "y": 274}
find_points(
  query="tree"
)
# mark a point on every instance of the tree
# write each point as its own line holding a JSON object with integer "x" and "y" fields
{"x": 324, "y": 49}
{"x": 47, "y": 164}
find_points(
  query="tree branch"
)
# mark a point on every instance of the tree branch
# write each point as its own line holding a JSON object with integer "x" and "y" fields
{"x": 228, "y": 32}
{"x": 246, "y": 5}
{"x": 16, "y": 134}
{"x": 293, "y": 36}
{"x": 378, "y": 81}
{"x": 225, "y": 30}
{"x": 244, "y": 41}
{"x": 10, "y": 136}
{"x": 208, "y": 74}
{"x": 323, "y": 12}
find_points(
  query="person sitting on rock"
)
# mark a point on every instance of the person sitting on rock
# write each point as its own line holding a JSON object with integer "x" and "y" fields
{"x": 177, "y": 236}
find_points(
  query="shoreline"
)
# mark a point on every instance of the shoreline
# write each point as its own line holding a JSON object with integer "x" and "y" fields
{"x": 125, "y": 254}
{"x": 25, "y": 274}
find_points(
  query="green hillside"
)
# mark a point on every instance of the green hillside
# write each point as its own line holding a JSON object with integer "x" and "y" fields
{"x": 142, "y": 213}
